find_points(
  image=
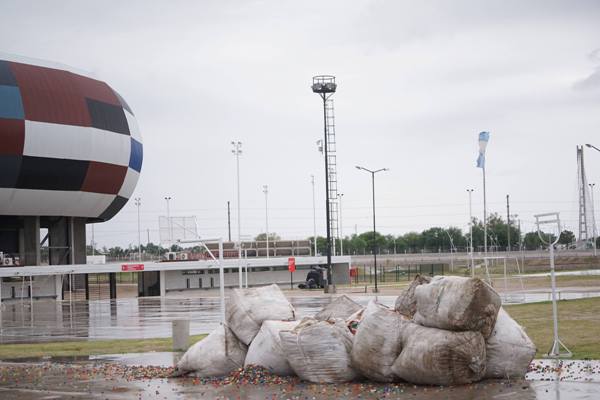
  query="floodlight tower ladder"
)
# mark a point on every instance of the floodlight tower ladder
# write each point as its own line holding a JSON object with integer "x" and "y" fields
{"x": 332, "y": 173}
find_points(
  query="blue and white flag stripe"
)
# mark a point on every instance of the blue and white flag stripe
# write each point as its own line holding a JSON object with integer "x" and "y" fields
{"x": 484, "y": 137}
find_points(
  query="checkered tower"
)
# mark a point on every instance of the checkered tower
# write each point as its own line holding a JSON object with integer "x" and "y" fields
{"x": 69, "y": 144}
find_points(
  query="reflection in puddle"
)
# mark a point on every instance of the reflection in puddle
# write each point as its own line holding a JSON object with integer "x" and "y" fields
{"x": 139, "y": 318}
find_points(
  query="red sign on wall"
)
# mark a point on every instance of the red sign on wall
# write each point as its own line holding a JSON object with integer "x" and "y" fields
{"x": 132, "y": 267}
{"x": 292, "y": 264}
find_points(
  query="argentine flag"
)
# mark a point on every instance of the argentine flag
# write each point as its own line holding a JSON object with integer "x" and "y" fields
{"x": 484, "y": 137}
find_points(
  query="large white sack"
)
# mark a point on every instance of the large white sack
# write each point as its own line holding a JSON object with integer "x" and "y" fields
{"x": 406, "y": 304}
{"x": 218, "y": 354}
{"x": 458, "y": 304}
{"x": 378, "y": 343}
{"x": 319, "y": 351}
{"x": 509, "y": 350}
{"x": 342, "y": 307}
{"x": 434, "y": 356}
{"x": 265, "y": 350}
{"x": 246, "y": 309}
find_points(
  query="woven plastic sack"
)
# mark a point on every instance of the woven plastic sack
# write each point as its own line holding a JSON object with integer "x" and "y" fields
{"x": 319, "y": 351}
{"x": 265, "y": 350}
{"x": 246, "y": 309}
{"x": 377, "y": 342}
{"x": 433, "y": 356}
{"x": 406, "y": 304}
{"x": 509, "y": 350}
{"x": 342, "y": 307}
{"x": 218, "y": 354}
{"x": 458, "y": 304}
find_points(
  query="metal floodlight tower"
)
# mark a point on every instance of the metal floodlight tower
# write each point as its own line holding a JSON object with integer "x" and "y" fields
{"x": 551, "y": 219}
{"x": 325, "y": 87}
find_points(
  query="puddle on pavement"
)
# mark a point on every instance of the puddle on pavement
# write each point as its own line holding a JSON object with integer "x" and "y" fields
{"x": 141, "y": 318}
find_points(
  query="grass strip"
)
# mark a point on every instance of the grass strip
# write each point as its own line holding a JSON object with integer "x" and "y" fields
{"x": 88, "y": 347}
{"x": 578, "y": 325}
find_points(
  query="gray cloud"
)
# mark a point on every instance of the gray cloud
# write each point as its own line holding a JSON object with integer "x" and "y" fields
{"x": 417, "y": 81}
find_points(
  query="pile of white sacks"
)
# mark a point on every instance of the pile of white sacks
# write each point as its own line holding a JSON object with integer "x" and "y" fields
{"x": 443, "y": 331}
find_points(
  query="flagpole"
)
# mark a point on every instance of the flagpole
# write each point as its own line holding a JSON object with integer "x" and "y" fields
{"x": 484, "y": 215}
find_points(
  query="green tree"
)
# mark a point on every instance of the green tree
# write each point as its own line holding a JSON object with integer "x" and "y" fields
{"x": 359, "y": 245}
{"x": 531, "y": 241}
{"x": 374, "y": 242}
{"x": 566, "y": 237}
{"x": 263, "y": 236}
{"x": 414, "y": 241}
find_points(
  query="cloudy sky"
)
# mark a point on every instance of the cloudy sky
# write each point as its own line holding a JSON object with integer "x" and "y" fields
{"x": 417, "y": 81}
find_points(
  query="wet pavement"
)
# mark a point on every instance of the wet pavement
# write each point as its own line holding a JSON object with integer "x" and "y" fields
{"x": 151, "y": 317}
{"x": 130, "y": 376}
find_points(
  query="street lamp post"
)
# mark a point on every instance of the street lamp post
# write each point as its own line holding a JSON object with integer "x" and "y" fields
{"x": 592, "y": 185}
{"x": 138, "y": 203}
{"x": 374, "y": 228}
{"x": 237, "y": 151}
{"x": 266, "y": 192}
{"x": 169, "y": 221}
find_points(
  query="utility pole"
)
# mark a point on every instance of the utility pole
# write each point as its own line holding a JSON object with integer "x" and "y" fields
{"x": 508, "y": 222}
{"x": 228, "y": 222}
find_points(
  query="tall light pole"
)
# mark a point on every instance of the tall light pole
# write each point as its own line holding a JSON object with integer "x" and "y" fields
{"x": 594, "y": 218}
{"x": 341, "y": 226}
{"x": 470, "y": 191}
{"x": 237, "y": 151}
{"x": 138, "y": 203}
{"x": 168, "y": 198}
{"x": 312, "y": 180}
{"x": 325, "y": 87}
{"x": 374, "y": 228}
{"x": 266, "y": 192}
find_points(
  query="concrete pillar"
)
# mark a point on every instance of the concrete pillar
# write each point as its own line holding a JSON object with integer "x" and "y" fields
{"x": 59, "y": 241}
{"x": 112, "y": 285}
{"x": 78, "y": 235}
{"x": 181, "y": 334}
{"x": 31, "y": 241}
{"x": 58, "y": 282}
{"x": 163, "y": 284}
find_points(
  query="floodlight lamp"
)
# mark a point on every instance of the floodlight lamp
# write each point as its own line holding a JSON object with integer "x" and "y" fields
{"x": 317, "y": 88}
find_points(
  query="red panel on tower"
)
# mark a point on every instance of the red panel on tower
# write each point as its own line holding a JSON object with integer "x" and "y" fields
{"x": 12, "y": 136}
{"x": 104, "y": 178}
{"x": 50, "y": 95}
{"x": 96, "y": 90}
